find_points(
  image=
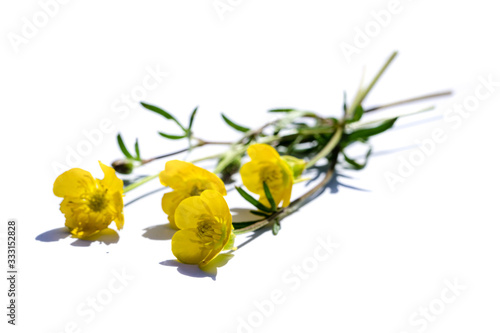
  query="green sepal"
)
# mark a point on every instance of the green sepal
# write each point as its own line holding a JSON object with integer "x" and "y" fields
{"x": 230, "y": 243}
{"x": 276, "y": 228}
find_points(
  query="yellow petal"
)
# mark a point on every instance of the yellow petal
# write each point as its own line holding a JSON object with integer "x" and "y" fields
{"x": 217, "y": 206}
{"x": 110, "y": 180}
{"x": 118, "y": 208}
{"x": 250, "y": 175}
{"x": 261, "y": 151}
{"x": 187, "y": 248}
{"x": 180, "y": 175}
{"x": 190, "y": 211}
{"x": 73, "y": 182}
{"x": 170, "y": 202}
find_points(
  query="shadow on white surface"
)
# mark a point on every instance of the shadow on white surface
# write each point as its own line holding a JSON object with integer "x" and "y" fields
{"x": 159, "y": 232}
{"x": 143, "y": 196}
{"x": 209, "y": 270}
{"x": 107, "y": 236}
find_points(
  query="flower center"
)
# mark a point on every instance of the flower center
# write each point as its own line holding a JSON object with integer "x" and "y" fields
{"x": 97, "y": 201}
{"x": 195, "y": 191}
{"x": 272, "y": 176}
{"x": 208, "y": 231}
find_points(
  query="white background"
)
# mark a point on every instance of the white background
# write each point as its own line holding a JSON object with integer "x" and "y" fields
{"x": 398, "y": 246}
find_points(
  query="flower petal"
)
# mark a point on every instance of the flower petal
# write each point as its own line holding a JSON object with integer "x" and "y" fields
{"x": 118, "y": 208}
{"x": 250, "y": 175}
{"x": 182, "y": 175}
{"x": 73, "y": 182}
{"x": 217, "y": 206}
{"x": 170, "y": 202}
{"x": 110, "y": 180}
{"x": 261, "y": 151}
{"x": 190, "y": 211}
{"x": 187, "y": 247}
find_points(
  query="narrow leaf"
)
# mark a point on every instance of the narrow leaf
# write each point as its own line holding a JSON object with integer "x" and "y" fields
{"x": 252, "y": 200}
{"x": 269, "y": 196}
{"x": 367, "y": 132}
{"x": 258, "y": 213}
{"x": 137, "y": 153}
{"x": 235, "y": 126}
{"x": 345, "y": 102}
{"x": 237, "y": 226}
{"x": 123, "y": 148}
{"x": 356, "y": 165}
{"x": 281, "y": 110}
{"x": 162, "y": 113}
{"x": 191, "y": 119}
{"x": 358, "y": 113}
{"x": 172, "y": 137}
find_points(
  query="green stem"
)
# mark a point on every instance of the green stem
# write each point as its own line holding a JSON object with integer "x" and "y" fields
{"x": 334, "y": 141}
{"x": 362, "y": 93}
{"x": 140, "y": 182}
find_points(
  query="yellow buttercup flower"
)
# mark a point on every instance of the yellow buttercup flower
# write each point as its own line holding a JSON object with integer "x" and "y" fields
{"x": 89, "y": 204}
{"x": 268, "y": 166}
{"x": 206, "y": 228}
{"x": 186, "y": 180}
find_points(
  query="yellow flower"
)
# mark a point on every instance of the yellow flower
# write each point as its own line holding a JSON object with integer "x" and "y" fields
{"x": 206, "y": 228}
{"x": 186, "y": 180}
{"x": 89, "y": 204}
{"x": 266, "y": 165}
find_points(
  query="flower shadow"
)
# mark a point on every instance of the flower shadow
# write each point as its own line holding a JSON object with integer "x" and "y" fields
{"x": 209, "y": 270}
{"x": 107, "y": 236}
{"x": 243, "y": 215}
{"x": 159, "y": 232}
{"x": 53, "y": 235}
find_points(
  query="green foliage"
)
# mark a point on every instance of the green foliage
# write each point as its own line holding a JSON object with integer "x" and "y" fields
{"x": 234, "y": 125}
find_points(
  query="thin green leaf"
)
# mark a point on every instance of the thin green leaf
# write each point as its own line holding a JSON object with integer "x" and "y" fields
{"x": 356, "y": 165}
{"x": 358, "y": 113}
{"x": 276, "y": 228}
{"x": 123, "y": 148}
{"x": 242, "y": 225}
{"x": 345, "y": 102}
{"x": 172, "y": 137}
{"x": 233, "y": 125}
{"x": 281, "y": 110}
{"x": 258, "y": 213}
{"x": 137, "y": 153}
{"x": 191, "y": 119}
{"x": 252, "y": 200}
{"x": 162, "y": 113}
{"x": 367, "y": 132}
{"x": 269, "y": 196}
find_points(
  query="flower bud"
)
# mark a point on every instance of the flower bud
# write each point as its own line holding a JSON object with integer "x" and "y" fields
{"x": 296, "y": 165}
{"x": 124, "y": 166}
